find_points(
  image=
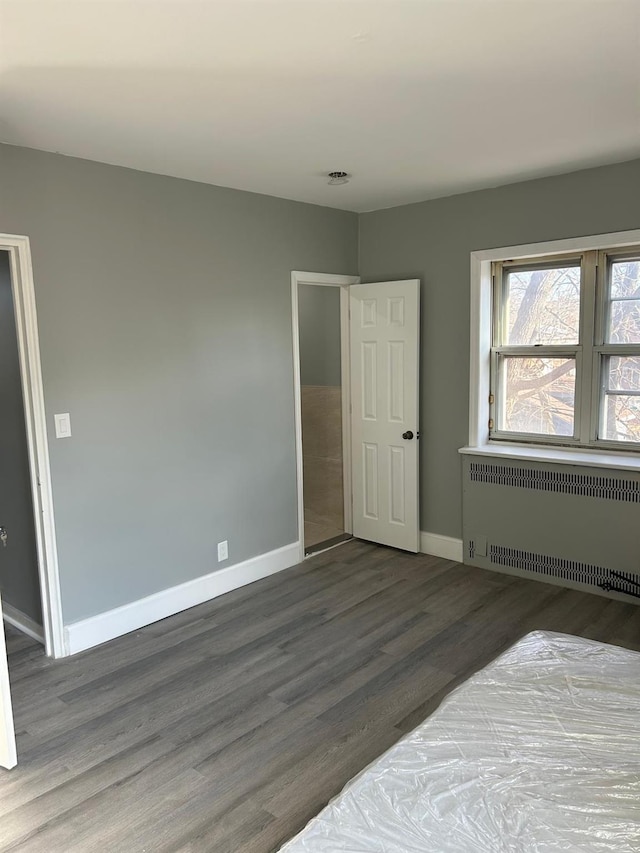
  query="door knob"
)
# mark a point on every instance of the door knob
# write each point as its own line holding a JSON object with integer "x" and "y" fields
{"x": 408, "y": 435}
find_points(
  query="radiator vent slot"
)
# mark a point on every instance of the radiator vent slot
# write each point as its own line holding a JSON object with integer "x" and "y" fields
{"x": 472, "y": 549}
{"x": 567, "y": 483}
{"x": 572, "y": 570}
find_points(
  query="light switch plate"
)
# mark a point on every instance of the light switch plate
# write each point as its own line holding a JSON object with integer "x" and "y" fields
{"x": 63, "y": 425}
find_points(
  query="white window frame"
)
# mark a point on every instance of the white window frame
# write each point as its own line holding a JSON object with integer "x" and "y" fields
{"x": 577, "y": 351}
{"x": 480, "y": 362}
{"x": 601, "y": 348}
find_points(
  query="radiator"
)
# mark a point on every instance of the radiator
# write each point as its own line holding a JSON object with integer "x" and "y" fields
{"x": 568, "y": 525}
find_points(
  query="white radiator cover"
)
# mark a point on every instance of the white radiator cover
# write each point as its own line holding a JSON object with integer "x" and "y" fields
{"x": 563, "y": 524}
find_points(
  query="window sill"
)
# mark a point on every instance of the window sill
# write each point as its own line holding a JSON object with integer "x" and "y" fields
{"x": 565, "y": 456}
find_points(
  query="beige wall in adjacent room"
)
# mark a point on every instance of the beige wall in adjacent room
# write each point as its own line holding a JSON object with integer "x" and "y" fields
{"x": 321, "y": 402}
{"x": 322, "y": 456}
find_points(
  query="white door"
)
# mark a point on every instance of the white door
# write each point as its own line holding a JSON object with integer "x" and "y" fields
{"x": 385, "y": 346}
{"x": 8, "y": 753}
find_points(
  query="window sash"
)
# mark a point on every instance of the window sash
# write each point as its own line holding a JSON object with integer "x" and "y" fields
{"x": 602, "y": 349}
{"x": 604, "y": 301}
{"x": 500, "y": 288}
{"x": 601, "y": 354}
{"x": 500, "y": 349}
{"x": 498, "y": 354}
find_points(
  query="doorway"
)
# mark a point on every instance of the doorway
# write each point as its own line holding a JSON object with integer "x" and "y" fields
{"x": 29, "y": 562}
{"x": 375, "y": 387}
{"x": 321, "y": 321}
{"x": 21, "y": 594}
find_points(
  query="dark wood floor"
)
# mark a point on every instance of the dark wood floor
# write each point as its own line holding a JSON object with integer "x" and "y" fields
{"x": 225, "y": 728}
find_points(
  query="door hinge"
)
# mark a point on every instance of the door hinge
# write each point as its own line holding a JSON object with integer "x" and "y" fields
{"x": 492, "y": 399}
{"x": 490, "y": 423}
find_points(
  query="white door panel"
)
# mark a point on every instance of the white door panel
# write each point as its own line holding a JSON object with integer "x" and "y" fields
{"x": 385, "y": 329}
{"x": 8, "y": 753}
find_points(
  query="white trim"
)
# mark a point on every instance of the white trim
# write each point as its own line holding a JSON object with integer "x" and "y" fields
{"x": 345, "y": 377}
{"x": 36, "y": 427}
{"x": 441, "y": 546}
{"x": 562, "y": 455}
{"x": 121, "y": 620}
{"x": 481, "y": 309}
{"x": 344, "y": 282}
{"x": 297, "y": 413}
{"x": 480, "y": 337}
{"x": 613, "y": 240}
{"x": 330, "y": 279}
{"x": 22, "y": 622}
{"x": 8, "y": 751}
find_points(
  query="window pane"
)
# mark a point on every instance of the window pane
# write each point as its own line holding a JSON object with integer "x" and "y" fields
{"x": 621, "y": 418}
{"x": 624, "y": 322}
{"x": 539, "y": 395}
{"x": 621, "y": 415}
{"x": 542, "y": 306}
{"x": 622, "y": 373}
{"x": 624, "y": 308}
{"x": 625, "y": 279}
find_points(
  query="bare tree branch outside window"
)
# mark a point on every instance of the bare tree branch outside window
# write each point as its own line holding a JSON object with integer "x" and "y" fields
{"x": 543, "y": 309}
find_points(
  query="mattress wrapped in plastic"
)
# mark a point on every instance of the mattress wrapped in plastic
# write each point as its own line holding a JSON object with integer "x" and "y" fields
{"x": 538, "y": 752}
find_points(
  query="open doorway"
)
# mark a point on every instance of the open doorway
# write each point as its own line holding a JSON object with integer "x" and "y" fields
{"x": 321, "y": 413}
{"x": 379, "y": 393}
{"x": 19, "y": 580}
{"x": 321, "y": 322}
{"x": 29, "y": 562}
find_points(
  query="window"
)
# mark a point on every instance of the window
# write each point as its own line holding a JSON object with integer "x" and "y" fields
{"x": 565, "y": 354}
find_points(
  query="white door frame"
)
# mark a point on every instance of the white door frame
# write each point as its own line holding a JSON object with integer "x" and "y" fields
{"x": 36, "y": 425}
{"x": 343, "y": 282}
{"x": 8, "y": 749}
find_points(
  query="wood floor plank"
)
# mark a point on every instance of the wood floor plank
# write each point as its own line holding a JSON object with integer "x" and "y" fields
{"x": 33, "y": 822}
{"x": 158, "y": 813}
{"x": 226, "y": 727}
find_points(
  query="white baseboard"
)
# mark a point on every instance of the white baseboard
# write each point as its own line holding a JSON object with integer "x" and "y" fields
{"x": 22, "y": 622}
{"x": 113, "y": 623}
{"x": 441, "y": 546}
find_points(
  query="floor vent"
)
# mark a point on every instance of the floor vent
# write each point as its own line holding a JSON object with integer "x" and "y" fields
{"x": 588, "y": 485}
{"x": 556, "y": 567}
{"x": 472, "y": 549}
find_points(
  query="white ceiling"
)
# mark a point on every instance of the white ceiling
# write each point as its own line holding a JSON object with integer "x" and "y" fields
{"x": 416, "y": 99}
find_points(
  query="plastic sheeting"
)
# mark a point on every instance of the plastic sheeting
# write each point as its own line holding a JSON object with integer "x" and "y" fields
{"x": 538, "y": 752}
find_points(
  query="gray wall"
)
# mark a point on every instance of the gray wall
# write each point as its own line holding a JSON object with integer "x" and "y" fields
{"x": 319, "y": 325}
{"x": 18, "y": 561}
{"x": 432, "y": 241}
{"x": 164, "y": 312}
{"x": 165, "y": 327}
